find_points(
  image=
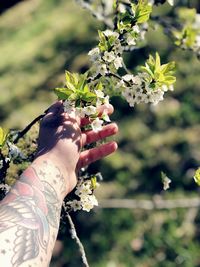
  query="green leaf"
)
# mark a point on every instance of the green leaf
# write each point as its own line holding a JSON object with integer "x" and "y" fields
{"x": 114, "y": 4}
{"x": 169, "y": 80}
{"x": 81, "y": 83}
{"x": 157, "y": 62}
{"x": 147, "y": 70}
{"x": 169, "y": 67}
{"x": 103, "y": 45}
{"x": 99, "y": 86}
{"x": 197, "y": 176}
{"x": 72, "y": 77}
{"x": 94, "y": 182}
{"x": 3, "y": 137}
{"x": 89, "y": 96}
{"x": 142, "y": 11}
{"x": 73, "y": 97}
{"x": 63, "y": 93}
{"x": 159, "y": 74}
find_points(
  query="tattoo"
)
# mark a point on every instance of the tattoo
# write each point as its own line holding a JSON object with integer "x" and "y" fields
{"x": 32, "y": 207}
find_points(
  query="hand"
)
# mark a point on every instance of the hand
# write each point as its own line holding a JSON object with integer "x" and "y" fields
{"x": 61, "y": 140}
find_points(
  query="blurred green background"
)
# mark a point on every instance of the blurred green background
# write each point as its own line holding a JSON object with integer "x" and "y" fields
{"x": 39, "y": 39}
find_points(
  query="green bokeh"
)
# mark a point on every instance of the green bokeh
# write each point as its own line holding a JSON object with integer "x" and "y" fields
{"x": 39, "y": 40}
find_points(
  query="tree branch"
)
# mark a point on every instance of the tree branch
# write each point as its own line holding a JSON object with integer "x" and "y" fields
{"x": 76, "y": 238}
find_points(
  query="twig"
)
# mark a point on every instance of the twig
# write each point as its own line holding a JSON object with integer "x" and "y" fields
{"x": 116, "y": 14}
{"x": 118, "y": 77}
{"x": 75, "y": 236}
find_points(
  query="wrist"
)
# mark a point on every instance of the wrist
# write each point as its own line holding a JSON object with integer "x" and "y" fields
{"x": 54, "y": 171}
{"x": 58, "y": 169}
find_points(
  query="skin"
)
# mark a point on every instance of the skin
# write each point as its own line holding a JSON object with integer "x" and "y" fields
{"x": 30, "y": 213}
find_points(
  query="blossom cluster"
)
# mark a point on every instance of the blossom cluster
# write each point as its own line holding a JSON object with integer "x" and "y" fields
{"x": 90, "y": 111}
{"x": 86, "y": 199}
{"x": 107, "y": 57}
{"x": 137, "y": 89}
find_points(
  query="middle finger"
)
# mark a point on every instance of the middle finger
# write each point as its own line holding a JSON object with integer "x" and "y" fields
{"x": 90, "y": 136}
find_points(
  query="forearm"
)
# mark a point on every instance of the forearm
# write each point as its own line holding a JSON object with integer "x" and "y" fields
{"x": 30, "y": 214}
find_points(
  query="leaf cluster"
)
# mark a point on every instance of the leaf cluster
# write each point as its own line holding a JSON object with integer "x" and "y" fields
{"x": 137, "y": 14}
{"x": 76, "y": 89}
{"x": 158, "y": 74}
{"x": 106, "y": 43}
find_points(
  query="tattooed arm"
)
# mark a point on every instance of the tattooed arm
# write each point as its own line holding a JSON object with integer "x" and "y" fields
{"x": 30, "y": 213}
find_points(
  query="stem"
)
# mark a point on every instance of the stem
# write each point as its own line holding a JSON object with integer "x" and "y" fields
{"x": 118, "y": 77}
{"x": 75, "y": 236}
{"x": 116, "y": 14}
{"x": 125, "y": 68}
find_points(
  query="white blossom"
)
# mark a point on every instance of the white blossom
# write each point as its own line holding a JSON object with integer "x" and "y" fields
{"x": 101, "y": 68}
{"x": 89, "y": 202}
{"x": 117, "y": 47}
{"x": 118, "y": 62}
{"x": 137, "y": 80}
{"x": 133, "y": 79}
{"x": 94, "y": 54}
{"x": 97, "y": 125}
{"x": 90, "y": 110}
{"x": 166, "y": 183}
{"x": 121, "y": 8}
{"x": 109, "y": 56}
{"x": 99, "y": 102}
{"x": 197, "y": 21}
{"x": 7, "y": 159}
{"x": 75, "y": 204}
{"x": 5, "y": 187}
{"x": 109, "y": 33}
{"x": 171, "y": 2}
{"x": 165, "y": 88}
{"x": 68, "y": 106}
{"x": 1, "y": 164}
{"x": 130, "y": 39}
{"x": 83, "y": 190}
{"x": 197, "y": 40}
{"x": 151, "y": 2}
{"x": 79, "y": 112}
{"x": 156, "y": 97}
{"x": 105, "y": 117}
{"x": 127, "y": 94}
{"x": 128, "y": 77}
{"x": 106, "y": 100}
{"x": 87, "y": 206}
{"x": 136, "y": 29}
{"x": 99, "y": 93}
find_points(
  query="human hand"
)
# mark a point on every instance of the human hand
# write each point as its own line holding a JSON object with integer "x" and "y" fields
{"x": 61, "y": 140}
